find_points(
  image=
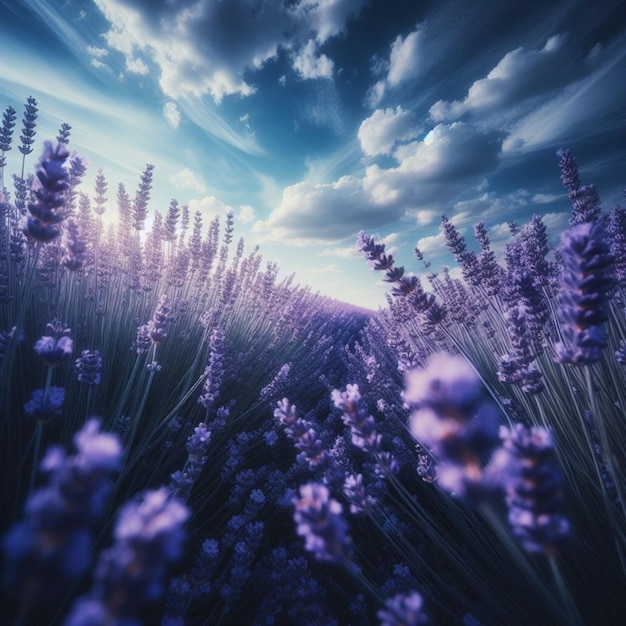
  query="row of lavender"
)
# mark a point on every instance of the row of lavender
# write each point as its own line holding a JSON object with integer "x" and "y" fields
{"x": 514, "y": 380}
{"x": 181, "y": 343}
{"x": 191, "y": 408}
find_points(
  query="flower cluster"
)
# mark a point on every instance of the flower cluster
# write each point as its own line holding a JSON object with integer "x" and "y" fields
{"x": 214, "y": 370}
{"x": 46, "y": 213}
{"x": 319, "y": 520}
{"x": 51, "y": 547}
{"x": 56, "y": 347}
{"x": 148, "y": 537}
{"x": 583, "y": 294}
{"x": 533, "y": 488}
{"x": 451, "y": 417}
{"x": 88, "y": 368}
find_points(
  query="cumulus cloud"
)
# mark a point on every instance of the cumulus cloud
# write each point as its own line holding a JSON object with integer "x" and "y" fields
{"x": 206, "y": 47}
{"x": 171, "y": 114}
{"x": 209, "y": 206}
{"x": 310, "y": 66}
{"x": 136, "y": 66}
{"x": 405, "y": 63}
{"x": 94, "y": 51}
{"x": 380, "y": 132}
{"x": 187, "y": 179}
{"x": 246, "y": 214}
{"x": 428, "y": 174}
{"x": 404, "y": 59}
{"x": 519, "y": 75}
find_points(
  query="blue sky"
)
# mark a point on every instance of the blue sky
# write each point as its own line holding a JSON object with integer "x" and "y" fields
{"x": 314, "y": 119}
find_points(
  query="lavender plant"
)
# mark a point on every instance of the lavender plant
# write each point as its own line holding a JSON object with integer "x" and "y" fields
{"x": 389, "y": 496}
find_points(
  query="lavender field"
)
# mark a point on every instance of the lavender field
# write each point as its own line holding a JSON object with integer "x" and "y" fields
{"x": 186, "y": 438}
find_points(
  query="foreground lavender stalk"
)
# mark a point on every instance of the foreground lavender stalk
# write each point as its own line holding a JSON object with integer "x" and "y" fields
{"x": 533, "y": 488}
{"x": 129, "y": 575}
{"x": 453, "y": 420}
{"x": 46, "y": 213}
{"x": 51, "y": 547}
{"x": 583, "y": 294}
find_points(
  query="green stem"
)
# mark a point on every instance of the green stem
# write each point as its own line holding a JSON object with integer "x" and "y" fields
{"x": 568, "y": 601}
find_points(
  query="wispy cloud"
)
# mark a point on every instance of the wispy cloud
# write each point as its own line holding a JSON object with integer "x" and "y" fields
{"x": 171, "y": 114}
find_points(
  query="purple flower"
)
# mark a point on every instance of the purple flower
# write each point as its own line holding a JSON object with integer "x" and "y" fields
{"x": 620, "y": 354}
{"x": 142, "y": 341}
{"x": 56, "y": 348}
{"x": 142, "y": 197}
{"x": 583, "y": 294}
{"x": 585, "y": 201}
{"x": 319, "y": 520}
{"x": 89, "y": 368}
{"x": 45, "y": 213}
{"x": 214, "y": 371}
{"x": 148, "y": 537}
{"x": 403, "y": 610}
{"x": 354, "y": 490}
{"x": 198, "y": 443}
{"x": 52, "y": 545}
{"x": 29, "y": 122}
{"x": 158, "y": 326}
{"x": 532, "y": 484}
{"x": 74, "y": 257}
{"x": 97, "y": 452}
{"x": 153, "y": 528}
{"x": 454, "y": 421}
{"x": 45, "y": 405}
{"x": 362, "y": 426}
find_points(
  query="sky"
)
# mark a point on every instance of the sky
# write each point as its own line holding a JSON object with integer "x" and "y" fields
{"x": 315, "y": 119}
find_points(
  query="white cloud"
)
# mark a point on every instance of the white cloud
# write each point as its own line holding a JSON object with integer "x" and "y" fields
{"x": 404, "y": 60}
{"x": 310, "y": 66}
{"x": 379, "y": 133}
{"x": 519, "y": 75}
{"x": 432, "y": 246}
{"x": 350, "y": 252}
{"x": 546, "y": 198}
{"x": 99, "y": 65}
{"x": 94, "y": 51}
{"x": 209, "y": 206}
{"x": 246, "y": 214}
{"x": 171, "y": 114}
{"x": 581, "y": 109}
{"x": 429, "y": 174}
{"x": 186, "y": 179}
{"x": 137, "y": 66}
{"x": 405, "y": 63}
{"x": 423, "y": 217}
{"x": 206, "y": 47}
{"x": 313, "y": 213}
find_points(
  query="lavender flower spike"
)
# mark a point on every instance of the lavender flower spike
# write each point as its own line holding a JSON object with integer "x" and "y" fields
{"x": 45, "y": 213}
{"x": 89, "y": 368}
{"x": 319, "y": 521}
{"x": 51, "y": 546}
{"x": 583, "y": 294}
{"x": 532, "y": 484}
{"x": 454, "y": 421}
{"x": 160, "y": 323}
{"x": 403, "y": 611}
{"x": 148, "y": 537}
{"x": 57, "y": 347}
